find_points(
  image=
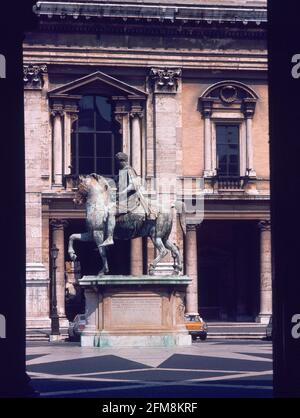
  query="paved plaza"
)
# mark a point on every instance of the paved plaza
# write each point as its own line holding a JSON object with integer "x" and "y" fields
{"x": 218, "y": 368}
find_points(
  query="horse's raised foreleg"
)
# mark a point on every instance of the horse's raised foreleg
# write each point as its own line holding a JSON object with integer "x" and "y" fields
{"x": 98, "y": 238}
{"x": 175, "y": 254}
{"x": 162, "y": 252}
{"x": 85, "y": 236}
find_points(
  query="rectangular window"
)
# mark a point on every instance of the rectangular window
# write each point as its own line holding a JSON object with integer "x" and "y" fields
{"x": 228, "y": 152}
{"x": 95, "y": 138}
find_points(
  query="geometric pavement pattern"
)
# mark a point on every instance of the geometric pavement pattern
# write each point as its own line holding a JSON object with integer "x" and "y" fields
{"x": 206, "y": 369}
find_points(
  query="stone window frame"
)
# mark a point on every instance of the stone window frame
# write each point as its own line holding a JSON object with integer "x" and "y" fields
{"x": 128, "y": 104}
{"x": 114, "y": 132}
{"x": 229, "y": 102}
{"x": 242, "y": 141}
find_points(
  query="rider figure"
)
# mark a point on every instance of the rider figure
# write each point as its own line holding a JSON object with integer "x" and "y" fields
{"x": 130, "y": 197}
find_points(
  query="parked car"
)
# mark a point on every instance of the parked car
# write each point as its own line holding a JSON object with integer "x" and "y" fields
{"x": 196, "y": 326}
{"x": 77, "y": 326}
{"x": 269, "y": 329}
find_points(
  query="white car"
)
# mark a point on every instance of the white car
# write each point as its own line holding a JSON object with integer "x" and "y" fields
{"x": 77, "y": 326}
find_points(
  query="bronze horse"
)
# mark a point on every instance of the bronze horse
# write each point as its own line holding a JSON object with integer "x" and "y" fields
{"x": 96, "y": 192}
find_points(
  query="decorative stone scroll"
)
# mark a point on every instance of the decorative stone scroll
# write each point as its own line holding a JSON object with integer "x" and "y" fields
{"x": 33, "y": 75}
{"x": 165, "y": 80}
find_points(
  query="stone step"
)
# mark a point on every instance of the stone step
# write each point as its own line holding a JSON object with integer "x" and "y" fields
{"x": 236, "y": 335}
{"x": 235, "y": 324}
{"x": 37, "y": 335}
{"x": 236, "y": 330}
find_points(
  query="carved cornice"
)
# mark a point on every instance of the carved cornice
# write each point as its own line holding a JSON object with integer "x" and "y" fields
{"x": 153, "y": 19}
{"x": 165, "y": 80}
{"x": 155, "y": 11}
{"x": 33, "y": 75}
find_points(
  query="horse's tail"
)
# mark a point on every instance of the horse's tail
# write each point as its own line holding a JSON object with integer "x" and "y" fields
{"x": 181, "y": 210}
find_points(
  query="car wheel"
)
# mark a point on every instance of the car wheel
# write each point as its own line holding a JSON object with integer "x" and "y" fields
{"x": 194, "y": 337}
{"x": 203, "y": 337}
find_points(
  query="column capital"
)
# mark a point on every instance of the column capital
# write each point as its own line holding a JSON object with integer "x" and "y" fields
{"x": 58, "y": 111}
{"x": 165, "y": 80}
{"x": 264, "y": 225}
{"x": 58, "y": 223}
{"x": 191, "y": 227}
{"x": 64, "y": 105}
{"x": 136, "y": 111}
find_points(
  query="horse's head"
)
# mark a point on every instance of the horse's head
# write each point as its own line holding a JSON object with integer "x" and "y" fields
{"x": 88, "y": 183}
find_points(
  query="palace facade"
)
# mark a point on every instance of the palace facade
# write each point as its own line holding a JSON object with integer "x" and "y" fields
{"x": 181, "y": 87}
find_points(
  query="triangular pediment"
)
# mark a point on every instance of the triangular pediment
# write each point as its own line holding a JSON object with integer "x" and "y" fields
{"x": 98, "y": 83}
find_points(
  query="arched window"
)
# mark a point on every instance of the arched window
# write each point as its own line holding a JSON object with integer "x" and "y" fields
{"x": 95, "y": 137}
{"x": 228, "y": 108}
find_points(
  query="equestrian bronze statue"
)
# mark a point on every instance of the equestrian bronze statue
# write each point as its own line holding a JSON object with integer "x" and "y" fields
{"x": 124, "y": 214}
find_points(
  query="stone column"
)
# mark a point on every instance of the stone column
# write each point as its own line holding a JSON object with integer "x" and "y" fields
{"x": 69, "y": 119}
{"x": 249, "y": 108}
{"x": 136, "y": 115}
{"x": 57, "y": 157}
{"x": 265, "y": 273}
{"x": 166, "y": 85}
{"x": 121, "y": 113}
{"x": 136, "y": 253}
{"x": 58, "y": 226}
{"x": 206, "y": 112}
{"x": 191, "y": 269}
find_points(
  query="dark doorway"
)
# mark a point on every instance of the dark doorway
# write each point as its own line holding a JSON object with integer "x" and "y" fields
{"x": 228, "y": 270}
{"x": 90, "y": 262}
{"x": 88, "y": 255}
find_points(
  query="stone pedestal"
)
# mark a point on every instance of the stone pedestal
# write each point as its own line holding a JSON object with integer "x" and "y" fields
{"x": 127, "y": 311}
